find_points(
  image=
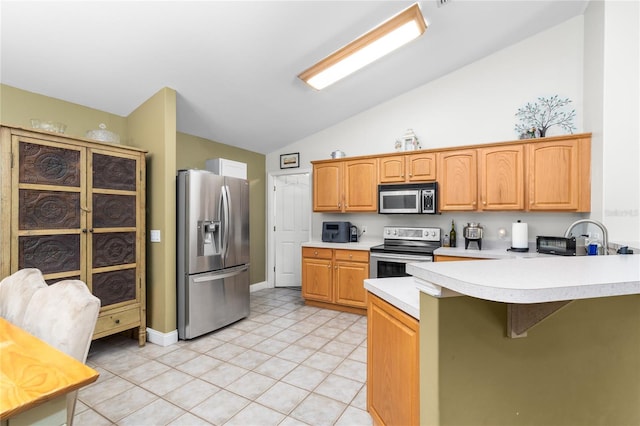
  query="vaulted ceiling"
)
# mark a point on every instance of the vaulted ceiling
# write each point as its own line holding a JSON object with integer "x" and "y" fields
{"x": 234, "y": 63}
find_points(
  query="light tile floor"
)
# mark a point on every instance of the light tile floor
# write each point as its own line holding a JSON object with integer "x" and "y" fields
{"x": 286, "y": 364}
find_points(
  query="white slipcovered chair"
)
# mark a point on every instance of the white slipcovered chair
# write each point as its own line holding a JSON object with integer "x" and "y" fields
{"x": 16, "y": 291}
{"x": 63, "y": 314}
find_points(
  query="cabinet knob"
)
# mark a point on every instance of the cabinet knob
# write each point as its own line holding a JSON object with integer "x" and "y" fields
{"x": 484, "y": 202}
{"x": 315, "y": 253}
{"x": 350, "y": 256}
{"x": 335, "y": 267}
{"x": 329, "y": 266}
{"x": 84, "y": 231}
{"x": 117, "y": 321}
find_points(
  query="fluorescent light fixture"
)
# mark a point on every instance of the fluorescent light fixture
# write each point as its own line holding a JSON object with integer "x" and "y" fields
{"x": 383, "y": 39}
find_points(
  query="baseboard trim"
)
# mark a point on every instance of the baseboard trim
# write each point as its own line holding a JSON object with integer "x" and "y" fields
{"x": 162, "y": 339}
{"x": 259, "y": 286}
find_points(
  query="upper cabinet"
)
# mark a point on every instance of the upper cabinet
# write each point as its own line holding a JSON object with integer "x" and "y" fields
{"x": 559, "y": 175}
{"x": 547, "y": 174}
{"x": 501, "y": 177}
{"x": 418, "y": 167}
{"x": 327, "y": 186}
{"x": 457, "y": 178}
{"x": 345, "y": 185}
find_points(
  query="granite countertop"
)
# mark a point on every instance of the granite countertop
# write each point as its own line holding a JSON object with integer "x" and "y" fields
{"x": 400, "y": 292}
{"x": 360, "y": 245}
{"x": 532, "y": 280}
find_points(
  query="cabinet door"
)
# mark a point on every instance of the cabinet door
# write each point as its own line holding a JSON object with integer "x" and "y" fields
{"x": 316, "y": 279}
{"x": 393, "y": 369}
{"x": 327, "y": 187}
{"x": 458, "y": 187}
{"x": 360, "y": 185}
{"x": 115, "y": 242}
{"x": 49, "y": 219}
{"x": 350, "y": 270}
{"x": 421, "y": 167}
{"x": 554, "y": 175}
{"x": 501, "y": 171}
{"x": 391, "y": 169}
{"x": 349, "y": 283}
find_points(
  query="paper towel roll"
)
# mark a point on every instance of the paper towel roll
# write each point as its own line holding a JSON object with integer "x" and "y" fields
{"x": 519, "y": 235}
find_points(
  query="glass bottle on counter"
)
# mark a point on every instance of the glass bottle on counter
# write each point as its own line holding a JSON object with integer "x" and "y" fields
{"x": 452, "y": 235}
{"x": 445, "y": 242}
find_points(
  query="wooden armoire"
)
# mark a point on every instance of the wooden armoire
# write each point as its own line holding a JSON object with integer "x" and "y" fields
{"x": 75, "y": 209}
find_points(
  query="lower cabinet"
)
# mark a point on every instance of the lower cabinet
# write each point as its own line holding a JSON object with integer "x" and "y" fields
{"x": 334, "y": 278}
{"x": 393, "y": 364}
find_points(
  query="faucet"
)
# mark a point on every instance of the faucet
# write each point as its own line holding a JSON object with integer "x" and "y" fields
{"x": 605, "y": 235}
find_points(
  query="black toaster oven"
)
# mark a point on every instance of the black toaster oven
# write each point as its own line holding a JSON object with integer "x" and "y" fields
{"x": 562, "y": 246}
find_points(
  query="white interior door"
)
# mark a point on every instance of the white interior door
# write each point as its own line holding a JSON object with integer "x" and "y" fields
{"x": 292, "y": 221}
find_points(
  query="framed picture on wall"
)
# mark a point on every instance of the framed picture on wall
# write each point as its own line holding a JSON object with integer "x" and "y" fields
{"x": 290, "y": 161}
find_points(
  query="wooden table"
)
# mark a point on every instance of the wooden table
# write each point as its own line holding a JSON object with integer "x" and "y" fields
{"x": 33, "y": 372}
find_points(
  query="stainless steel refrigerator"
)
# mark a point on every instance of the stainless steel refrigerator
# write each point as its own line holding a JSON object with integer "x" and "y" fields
{"x": 212, "y": 251}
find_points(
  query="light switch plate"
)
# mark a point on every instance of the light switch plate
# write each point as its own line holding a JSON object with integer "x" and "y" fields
{"x": 155, "y": 235}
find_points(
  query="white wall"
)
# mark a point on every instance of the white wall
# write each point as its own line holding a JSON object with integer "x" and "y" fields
{"x": 620, "y": 208}
{"x": 473, "y": 105}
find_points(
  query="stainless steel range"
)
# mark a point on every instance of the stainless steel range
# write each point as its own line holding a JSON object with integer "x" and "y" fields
{"x": 402, "y": 245}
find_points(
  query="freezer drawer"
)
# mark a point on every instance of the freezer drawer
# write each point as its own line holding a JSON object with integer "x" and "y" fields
{"x": 209, "y": 301}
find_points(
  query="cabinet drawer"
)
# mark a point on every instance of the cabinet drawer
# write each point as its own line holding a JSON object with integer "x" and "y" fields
{"x": 117, "y": 320}
{"x": 352, "y": 255}
{"x": 315, "y": 252}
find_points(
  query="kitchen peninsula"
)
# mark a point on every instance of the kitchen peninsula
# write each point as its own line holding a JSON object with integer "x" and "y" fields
{"x": 580, "y": 365}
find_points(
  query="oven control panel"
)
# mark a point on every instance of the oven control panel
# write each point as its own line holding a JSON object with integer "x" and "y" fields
{"x": 411, "y": 233}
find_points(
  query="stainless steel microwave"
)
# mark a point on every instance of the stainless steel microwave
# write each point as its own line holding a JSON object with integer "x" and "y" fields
{"x": 408, "y": 198}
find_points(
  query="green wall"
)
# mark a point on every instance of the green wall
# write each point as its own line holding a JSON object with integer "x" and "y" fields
{"x": 580, "y": 366}
{"x": 152, "y": 126}
{"x": 192, "y": 153}
{"x": 18, "y": 107}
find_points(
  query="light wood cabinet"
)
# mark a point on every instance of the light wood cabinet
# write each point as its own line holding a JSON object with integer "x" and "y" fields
{"x": 327, "y": 186}
{"x": 345, "y": 186}
{"x": 360, "y": 187}
{"x": 457, "y": 178}
{"x": 393, "y": 364}
{"x": 549, "y": 174}
{"x": 501, "y": 177}
{"x": 559, "y": 175}
{"x": 77, "y": 212}
{"x": 317, "y": 274}
{"x": 419, "y": 167}
{"x": 334, "y": 278}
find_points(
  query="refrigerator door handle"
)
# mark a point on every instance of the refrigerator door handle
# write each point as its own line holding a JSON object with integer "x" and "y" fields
{"x": 226, "y": 210}
{"x": 209, "y": 278}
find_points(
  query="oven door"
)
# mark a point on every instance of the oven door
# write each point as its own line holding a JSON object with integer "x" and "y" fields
{"x": 387, "y": 265}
